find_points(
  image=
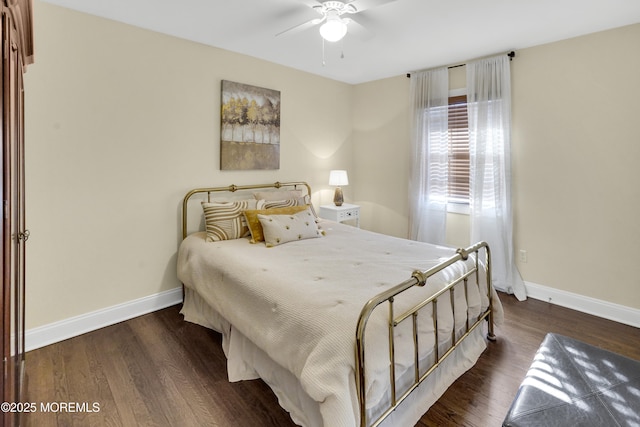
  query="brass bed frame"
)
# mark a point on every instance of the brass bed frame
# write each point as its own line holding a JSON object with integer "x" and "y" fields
{"x": 418, "y": 278}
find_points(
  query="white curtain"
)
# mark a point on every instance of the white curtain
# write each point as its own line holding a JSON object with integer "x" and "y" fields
{"x": 489, "y": 107}
{"x": 429, "y": 156}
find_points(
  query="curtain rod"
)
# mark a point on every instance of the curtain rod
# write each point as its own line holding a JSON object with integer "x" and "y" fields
{"x": 511, "y": 55}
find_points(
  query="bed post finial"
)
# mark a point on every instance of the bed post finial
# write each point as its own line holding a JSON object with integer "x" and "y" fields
{"x": 463, "y": 254}
{"x": 420, "y": 277}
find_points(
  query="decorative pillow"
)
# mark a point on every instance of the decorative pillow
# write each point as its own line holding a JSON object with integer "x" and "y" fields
{"x": 225, "y": 220}
{"x": 277, "y": 195}
{"x": 279, "y": 229}
{"x": 254, "y": 223}
{"x": 298, "y": 201}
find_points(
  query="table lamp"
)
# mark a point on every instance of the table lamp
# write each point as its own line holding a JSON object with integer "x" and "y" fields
{"x": 338, "y": 178}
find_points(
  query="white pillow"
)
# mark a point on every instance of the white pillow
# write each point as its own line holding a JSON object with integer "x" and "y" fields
{"x": 279, "y": 229}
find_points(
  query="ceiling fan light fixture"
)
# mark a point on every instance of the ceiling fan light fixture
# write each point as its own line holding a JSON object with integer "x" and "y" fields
{"x": 333, "y": 29}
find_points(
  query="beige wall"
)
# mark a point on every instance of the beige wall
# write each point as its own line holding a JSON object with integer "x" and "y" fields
{"x": 381, "y": 166}
{"x": 121, "y": 122}
{"x": 575, "y": 168}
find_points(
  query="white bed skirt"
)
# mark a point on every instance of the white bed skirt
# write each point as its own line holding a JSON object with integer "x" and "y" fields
{"x": 245, "y": 361}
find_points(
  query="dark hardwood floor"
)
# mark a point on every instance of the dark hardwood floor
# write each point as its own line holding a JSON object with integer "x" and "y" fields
{"x": 157, "y": 370}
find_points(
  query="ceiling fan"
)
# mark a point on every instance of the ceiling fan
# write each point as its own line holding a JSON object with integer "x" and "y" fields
{"x": 334, "y": 25}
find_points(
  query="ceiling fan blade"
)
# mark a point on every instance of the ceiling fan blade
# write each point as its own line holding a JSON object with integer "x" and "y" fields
{"x": 301, "y": 11}
{"x": 358, "y": 30}
{"x": 361, "y": 5}
{"x": 301, "y": 27}
{"x": 311, "y": 3}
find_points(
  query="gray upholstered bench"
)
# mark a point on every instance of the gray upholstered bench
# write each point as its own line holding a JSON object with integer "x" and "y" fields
{"x": 571, "y": 383}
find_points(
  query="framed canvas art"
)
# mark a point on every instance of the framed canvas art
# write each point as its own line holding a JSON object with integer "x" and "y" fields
{"x": 249, "y": 127}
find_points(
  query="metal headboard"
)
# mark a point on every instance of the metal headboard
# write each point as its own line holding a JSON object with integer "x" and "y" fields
{"x": 232, "y": 189}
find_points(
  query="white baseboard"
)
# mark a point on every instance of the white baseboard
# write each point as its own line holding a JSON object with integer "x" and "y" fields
{"x": 616, "y": 312}
{"x": 78, "y": 325}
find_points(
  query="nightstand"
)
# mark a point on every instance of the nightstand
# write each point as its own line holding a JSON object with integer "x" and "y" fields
{"x": 341, "y": 213}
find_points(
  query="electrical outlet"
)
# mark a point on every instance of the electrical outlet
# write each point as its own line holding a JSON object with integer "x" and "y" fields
{"x": 523, "y": 256}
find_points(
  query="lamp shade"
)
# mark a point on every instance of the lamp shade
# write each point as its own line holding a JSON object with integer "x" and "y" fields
{"x": 334, "y": 29}
{"x": 338, "y": 178}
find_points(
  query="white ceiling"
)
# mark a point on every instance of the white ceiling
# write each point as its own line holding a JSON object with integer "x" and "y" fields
{"x": 406, "y": 35}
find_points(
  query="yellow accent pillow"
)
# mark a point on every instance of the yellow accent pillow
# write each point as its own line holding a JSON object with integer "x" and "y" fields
{"x": 253, "y": 222}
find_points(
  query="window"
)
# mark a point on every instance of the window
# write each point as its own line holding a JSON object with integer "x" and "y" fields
{"x": 458, "y": 192}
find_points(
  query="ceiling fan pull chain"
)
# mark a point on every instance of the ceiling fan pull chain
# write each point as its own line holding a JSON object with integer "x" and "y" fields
{"x": 323, "y": 57}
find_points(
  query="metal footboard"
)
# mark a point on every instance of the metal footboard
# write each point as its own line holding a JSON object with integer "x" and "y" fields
{"x": 420, "y": 278}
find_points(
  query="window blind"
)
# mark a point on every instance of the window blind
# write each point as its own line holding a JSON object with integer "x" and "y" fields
{"x": 458, "y": 150}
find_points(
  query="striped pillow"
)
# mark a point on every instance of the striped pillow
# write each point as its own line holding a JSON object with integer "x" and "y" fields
{"x": 225, "y": 220}
{"x": 298, "y": 201}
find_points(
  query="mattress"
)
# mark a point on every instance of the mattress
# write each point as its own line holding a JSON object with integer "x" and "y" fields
{"x": 296, "y": 306}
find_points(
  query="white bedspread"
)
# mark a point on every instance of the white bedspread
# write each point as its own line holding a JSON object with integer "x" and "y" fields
{"x": 300, "y": 302}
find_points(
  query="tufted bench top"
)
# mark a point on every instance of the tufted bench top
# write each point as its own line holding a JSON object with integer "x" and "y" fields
{"x": 571, "y": 383}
